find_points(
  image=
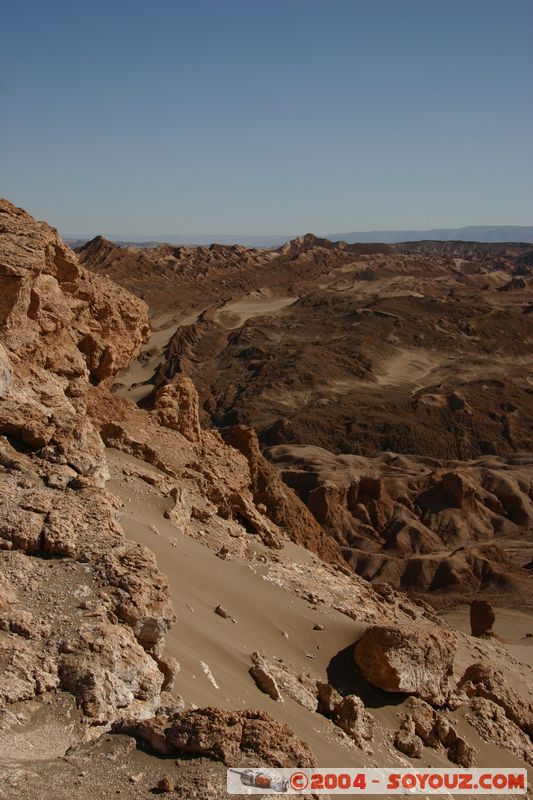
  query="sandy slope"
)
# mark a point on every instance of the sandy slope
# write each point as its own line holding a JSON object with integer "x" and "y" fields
{"x": 199, "y": 582}
{"x": 133, "y": 383}
{"x": 235, "y": 313}
{"x": 213, "y": 650}
{"x": 513, "y": 627}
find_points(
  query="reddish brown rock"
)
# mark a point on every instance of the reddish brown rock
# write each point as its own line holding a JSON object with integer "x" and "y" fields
{"x": 328, "y": 699}
{"x": 165, "y": 785}
{"x": 276, "y": 678}
{"x": 176, "y": 407}
{"x": 494, "y": 726}
{"x": 84, "y": 612}
{"x": 58, "y": 314}
{"x": 60, "y": 326}
{"x": 457, "y": 491}
{"x": 234, "y": 737}
{"x": 396, "y": 516}
{"x": 408, "y": 659}
{"x": 245, "y": 509}
{"x": 109, "y": 670}
{"x": 424, "y": 719}
{"x": 62, "y": 329}
{"x": 482, "y": 618}
{"x": 407, "y": 741}
{"x": 483, "y": 680}
{"x": 351, "y": 715}
{"x": 282, "y": 505}
{"x": 425, "y": 726}
{"x": 263, "y": 677}
{"x": 462, "y": 753}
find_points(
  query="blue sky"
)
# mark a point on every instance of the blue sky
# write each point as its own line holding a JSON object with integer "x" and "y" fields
{"x": 267, "y": 116}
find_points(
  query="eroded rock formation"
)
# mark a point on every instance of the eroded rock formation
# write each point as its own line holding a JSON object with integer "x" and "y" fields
{"x": 233, "y": 737}
{"x": 84, "y": 609}
{"x": 90, "y": 609}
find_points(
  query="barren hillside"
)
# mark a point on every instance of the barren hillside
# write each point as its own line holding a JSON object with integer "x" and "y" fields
{"x": 172, "y": 602}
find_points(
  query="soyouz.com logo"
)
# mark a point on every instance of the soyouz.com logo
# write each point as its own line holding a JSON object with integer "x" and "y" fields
{"x": 377, "y": 781}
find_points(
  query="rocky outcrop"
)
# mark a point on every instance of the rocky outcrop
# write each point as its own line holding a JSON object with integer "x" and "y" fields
{"x": 482, "y": 680}
{"x": 351, "y": 715}
{"x": 55, "y": 313}
{"x": 61, "y": 328}
{"x": 208, "y": 477}
{"x": 281, "y": 504}
{"x": 176, "y": 406}
{"x": 6, "y": 373}
{"x": 261, "y": 672}
{"x": 277, "y": 679}
{"x": 482, "y": 618}
{"x": 244, "y": 509}
{"x": 85, "y": 611}
{"x": 98, "y": 634}
{"x": 236, "y": 738}
{"x": 494, "y": 726}
{"x": 407, "y": 741}
{"x": 108, "y": 672}
{"x": 414, "y": 660}
{"x": 90, "y": 621}
{"x": 423, "y": 726}
{"x": 348, "y": 712}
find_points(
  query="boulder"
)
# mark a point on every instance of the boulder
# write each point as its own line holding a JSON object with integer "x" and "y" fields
{"x": 481, "y": 680}
{"x": 413, "y": 660}
{"x": 425, "y": 726}
{"x": 263, "y": 677}
{"x": 244, "y": 509}
{"x": 328, "y": 699}
{"x": 424, "y": 718}
{"x": 462, "y": 753}
{"x": 106, "y": 669}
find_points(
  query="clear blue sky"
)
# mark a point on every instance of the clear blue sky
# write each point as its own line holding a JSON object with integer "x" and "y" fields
{"x": 267, "y": 116}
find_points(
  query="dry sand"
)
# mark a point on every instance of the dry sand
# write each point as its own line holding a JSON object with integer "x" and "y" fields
{"x": 255, "y": 304}
{"x": 133, "y": 383}
{"x": 214, "y": 653}
{"x": 511, "y": 628}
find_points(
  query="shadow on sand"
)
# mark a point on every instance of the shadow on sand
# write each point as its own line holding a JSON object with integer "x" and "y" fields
{"x": 344, "y": 675}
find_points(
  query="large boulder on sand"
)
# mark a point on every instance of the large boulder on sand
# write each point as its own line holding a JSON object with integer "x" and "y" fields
{"x": 402, "y": 658}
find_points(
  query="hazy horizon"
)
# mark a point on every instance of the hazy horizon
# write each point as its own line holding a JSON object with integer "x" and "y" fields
{"x": 267, "y": 116}
{"x": 136, "y": 237}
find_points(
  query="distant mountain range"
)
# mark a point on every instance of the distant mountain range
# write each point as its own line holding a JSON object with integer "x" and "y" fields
{"x": 472, "y": 233}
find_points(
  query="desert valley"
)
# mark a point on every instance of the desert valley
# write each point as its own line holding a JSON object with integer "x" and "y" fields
{"x": 261, "y": 507}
